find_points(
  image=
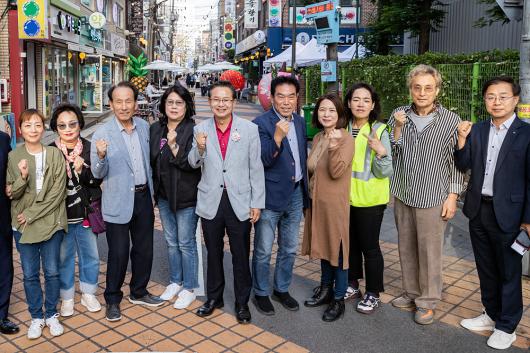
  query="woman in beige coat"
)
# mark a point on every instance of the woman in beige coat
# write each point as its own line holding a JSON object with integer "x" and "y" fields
{"x": 326, "y": 235}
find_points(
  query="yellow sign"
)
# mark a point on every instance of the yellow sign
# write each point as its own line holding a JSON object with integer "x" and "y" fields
{"x": 523, "y": 111}
{"x": 32, "y": 19}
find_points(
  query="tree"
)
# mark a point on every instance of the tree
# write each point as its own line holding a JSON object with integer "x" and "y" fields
{"x": 493, "y": 14}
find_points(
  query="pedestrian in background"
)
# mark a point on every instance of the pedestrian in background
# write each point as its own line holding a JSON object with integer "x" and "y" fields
{"x": 82, "y": 189}
{"x": 284, "y": 155}
{"x": 426, "y": 185}
{"x": 326, "y": 234}
{"x": 231, "y": 196}
{"x": 175, "y": 191}
{"x": 120, "y": 156}
{"x": 497, "y": 151}
{"x": 369, "y": 194}
{"x": 37, "y": 187}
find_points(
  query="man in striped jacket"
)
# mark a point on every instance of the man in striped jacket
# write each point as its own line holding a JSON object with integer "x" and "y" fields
{"x": 426, "y": 185}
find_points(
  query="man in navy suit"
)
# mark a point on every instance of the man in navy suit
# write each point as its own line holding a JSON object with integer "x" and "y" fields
{"x": 6, "y": 241}
{"x": 284, "y": 154}
{"x": 497, "y": 151}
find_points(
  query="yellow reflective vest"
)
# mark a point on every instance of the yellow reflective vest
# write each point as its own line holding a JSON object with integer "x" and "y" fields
{"x": 366, "y": 190}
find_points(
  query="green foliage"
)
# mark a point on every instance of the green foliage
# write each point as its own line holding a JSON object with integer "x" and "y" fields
{"x": 493, "y": 14}
{"x": 136, "y": 65}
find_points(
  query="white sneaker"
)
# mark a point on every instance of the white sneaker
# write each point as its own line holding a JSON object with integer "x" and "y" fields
{"x": 56, "y": 329}
{"x": 171, "y": 291}
{"x": 35, "y": 329}
{"x": 479, "y": 323}
{"x": 90, "y": 302}
{"x": 501, "y": 340}
{"x": 184, "y": 299}
{"x": 67, "y": 307}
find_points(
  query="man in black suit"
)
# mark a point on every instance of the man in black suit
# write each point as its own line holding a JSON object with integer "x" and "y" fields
{"x": 497, "y": 151}
{"x": 6, "y": 241}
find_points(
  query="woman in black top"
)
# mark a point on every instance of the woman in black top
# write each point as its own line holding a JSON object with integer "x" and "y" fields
{"x": 175, "y": 191}
{"x": 81, "y": 189}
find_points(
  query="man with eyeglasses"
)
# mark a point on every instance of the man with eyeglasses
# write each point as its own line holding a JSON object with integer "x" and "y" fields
{"x": 120, "y": 156}
{"x": 284, "y": 155}
{"x": 230, "y": 197}
{"x": 497, "y": 151}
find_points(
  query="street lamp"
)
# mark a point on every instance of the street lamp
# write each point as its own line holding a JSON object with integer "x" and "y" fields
{"x": 293, "y": 40}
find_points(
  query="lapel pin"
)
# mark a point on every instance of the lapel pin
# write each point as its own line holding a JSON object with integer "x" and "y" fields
{"x": 236, "y": 136}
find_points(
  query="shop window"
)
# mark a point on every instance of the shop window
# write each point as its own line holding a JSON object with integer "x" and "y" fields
{"x": 59, "y": 78}
{"x": 90, "y": 91}
{"x": 106, "y": 79}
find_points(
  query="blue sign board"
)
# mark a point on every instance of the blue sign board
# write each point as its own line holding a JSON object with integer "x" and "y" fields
{"x": 327, "y": 19}
{"x": 328, "y": 71}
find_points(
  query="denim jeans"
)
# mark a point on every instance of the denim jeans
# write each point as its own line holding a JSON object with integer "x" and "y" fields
{"x": 332, "y": 274}
{"x": 85, "y": 243}
{"x": 31, "y": 256}
{"x": 179, "y": 231}
{"x": 288, "y": 223}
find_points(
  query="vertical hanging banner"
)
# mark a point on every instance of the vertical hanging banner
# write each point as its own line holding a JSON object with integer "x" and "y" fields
{"x": 230, "y": 8}
{"x": 136, "y": 16}
{"x": 32, "y": 19}
{"x": 275, "y": 13}
{"x": 251, "y": 14}
{"x": 228, "y": 36}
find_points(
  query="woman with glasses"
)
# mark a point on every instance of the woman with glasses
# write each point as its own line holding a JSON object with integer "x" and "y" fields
{"x": 175, "y": 191}
{"x": 81, "y": 190}
{"x": 36, "y": 184}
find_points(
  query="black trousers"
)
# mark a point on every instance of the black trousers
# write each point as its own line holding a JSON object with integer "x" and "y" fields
{"x": 6, "y": 264}
{"x": 365, "y": 225}
{"x": 239, "y": 239}
{"x": 140, "y": 228}
{"x": 499, "y": 269}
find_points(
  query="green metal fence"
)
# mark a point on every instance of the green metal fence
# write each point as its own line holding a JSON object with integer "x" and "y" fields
{"x": 461, "y": 91}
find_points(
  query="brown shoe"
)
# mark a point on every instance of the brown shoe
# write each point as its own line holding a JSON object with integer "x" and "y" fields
{"x": 403, "y": 302}
{"x": 424, "y": 316}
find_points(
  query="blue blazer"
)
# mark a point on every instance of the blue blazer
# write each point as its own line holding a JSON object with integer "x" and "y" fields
{"x": 511, "y": 185}
{"x": 5, "y": 205}
{"x": 279, "y": 161}
{"x": 116, "y": 170}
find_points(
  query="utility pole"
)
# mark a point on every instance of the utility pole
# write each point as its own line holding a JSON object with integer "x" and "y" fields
{"x": 357, "y": 21}
{"x": 293, "y": 41}
{"x": 332, "y": 55}
{"x": 524, "y": 65}
{"x": 173, "y": 18}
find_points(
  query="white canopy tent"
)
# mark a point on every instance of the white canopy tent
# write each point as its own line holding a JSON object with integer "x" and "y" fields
{"x": 349, "y": 53}
{"x": 285, "y": 56}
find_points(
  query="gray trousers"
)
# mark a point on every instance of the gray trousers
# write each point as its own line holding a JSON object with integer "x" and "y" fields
{"x": 420, "y": 243}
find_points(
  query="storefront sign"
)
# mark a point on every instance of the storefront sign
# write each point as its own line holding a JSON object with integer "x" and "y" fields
{"x": 228, "y": 36}
{"x": 328, "y": 71}
{"x": 348, "y": 15}
{"x": 80, "y": 48}
{"x": 97, "y": 20}
{"x": 523, "y": 111}
{"x": 118, "y": 45}
{"x": 326, "y": 20}
{"x": 32, "y": 19}
{"x": 104, "y": 52}
{"x": 230, "y": 8}
{"x": 136, "y": 16}
{"x": 251, "y": 42}
{"x": 64, "y": 26}
{"x": 275, "y": 13}
{"x": 251, "y": 14}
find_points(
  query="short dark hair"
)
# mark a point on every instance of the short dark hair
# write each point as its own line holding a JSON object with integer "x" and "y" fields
{"x": 182, "y": 93}
{"x": 123, "y": 84}
{"x": 225, "y": 84}
{"x": 342, "y": 122}
{"x": 284, "y": 80}
{"x": 27, "y": 114}
{"x": 375, "y": 113}
{"x": 66, "y": 107}
{"x": 516, "y": 89}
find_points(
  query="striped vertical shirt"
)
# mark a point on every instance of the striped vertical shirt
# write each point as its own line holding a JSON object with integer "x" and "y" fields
{"x": 424, "y": 168}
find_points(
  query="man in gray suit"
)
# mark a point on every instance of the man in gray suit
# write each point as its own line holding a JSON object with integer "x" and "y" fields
{"x": 120, "y": 156}
{"x": 231, "y": 195}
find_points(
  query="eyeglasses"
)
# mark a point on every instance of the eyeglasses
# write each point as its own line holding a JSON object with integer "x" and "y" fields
{"x": 71, "y": 125}
{"x": 217, "y": 101}
{"x": 426, "y": 89}
{"x": 176, "y": 103}
{"x": 492, "y": 99}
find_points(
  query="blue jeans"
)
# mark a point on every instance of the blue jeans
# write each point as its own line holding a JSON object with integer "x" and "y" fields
{"x": 179, "y": 231}
{"x": 85, "y": 243}
{"x": 288, "y": 223}
{"x": 31, "y": 256}
{"x": 332, "y": 274}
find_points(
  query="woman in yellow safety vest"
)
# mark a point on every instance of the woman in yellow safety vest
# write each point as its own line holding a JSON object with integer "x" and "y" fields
{"x": 369, "y": 194}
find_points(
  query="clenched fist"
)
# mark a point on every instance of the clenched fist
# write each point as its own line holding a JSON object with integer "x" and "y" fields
{"x": 400, "y": 118}
{"x": 23, "y": 168}
{"x": 464, "y": 128}
{"x": 78, "y": 164}
{"x": 171, "y": 137}
{"x": 101, "y": 148}
{"x": 334, "y": 137}
{"x": 201, "y": 141}
{"x": 282, "y": 129}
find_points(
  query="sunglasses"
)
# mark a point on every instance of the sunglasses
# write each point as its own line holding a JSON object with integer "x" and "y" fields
{"x": 71, "y": 125}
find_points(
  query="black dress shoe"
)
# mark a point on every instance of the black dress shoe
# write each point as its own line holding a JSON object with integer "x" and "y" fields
{"x": 113, "y": 312}
{"x": 264, "y": 305}
{"x": 148, "y": 299}
{"x": 334, "y": 311}
{"x": 286, "y": 300}
{"x": 208, "y": 307}
{"x": 8, "y": 328}
{"x": 322, "y": 294}
{"x": 243, "y": 314}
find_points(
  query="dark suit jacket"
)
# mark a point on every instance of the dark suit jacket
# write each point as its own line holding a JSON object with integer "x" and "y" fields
{"x": 279, "y": 161}
{"x": 511, "y": 185}
{"x": 5, "y": 205}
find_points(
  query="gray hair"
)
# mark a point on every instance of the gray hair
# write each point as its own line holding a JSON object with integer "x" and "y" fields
{"x": 424, "y": 70}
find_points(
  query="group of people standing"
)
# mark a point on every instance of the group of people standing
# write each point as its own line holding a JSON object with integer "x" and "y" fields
{"x": 233, "y": 174}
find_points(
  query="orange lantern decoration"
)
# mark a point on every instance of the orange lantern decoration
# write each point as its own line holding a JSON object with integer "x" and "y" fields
{"x": 235, "y": 78}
